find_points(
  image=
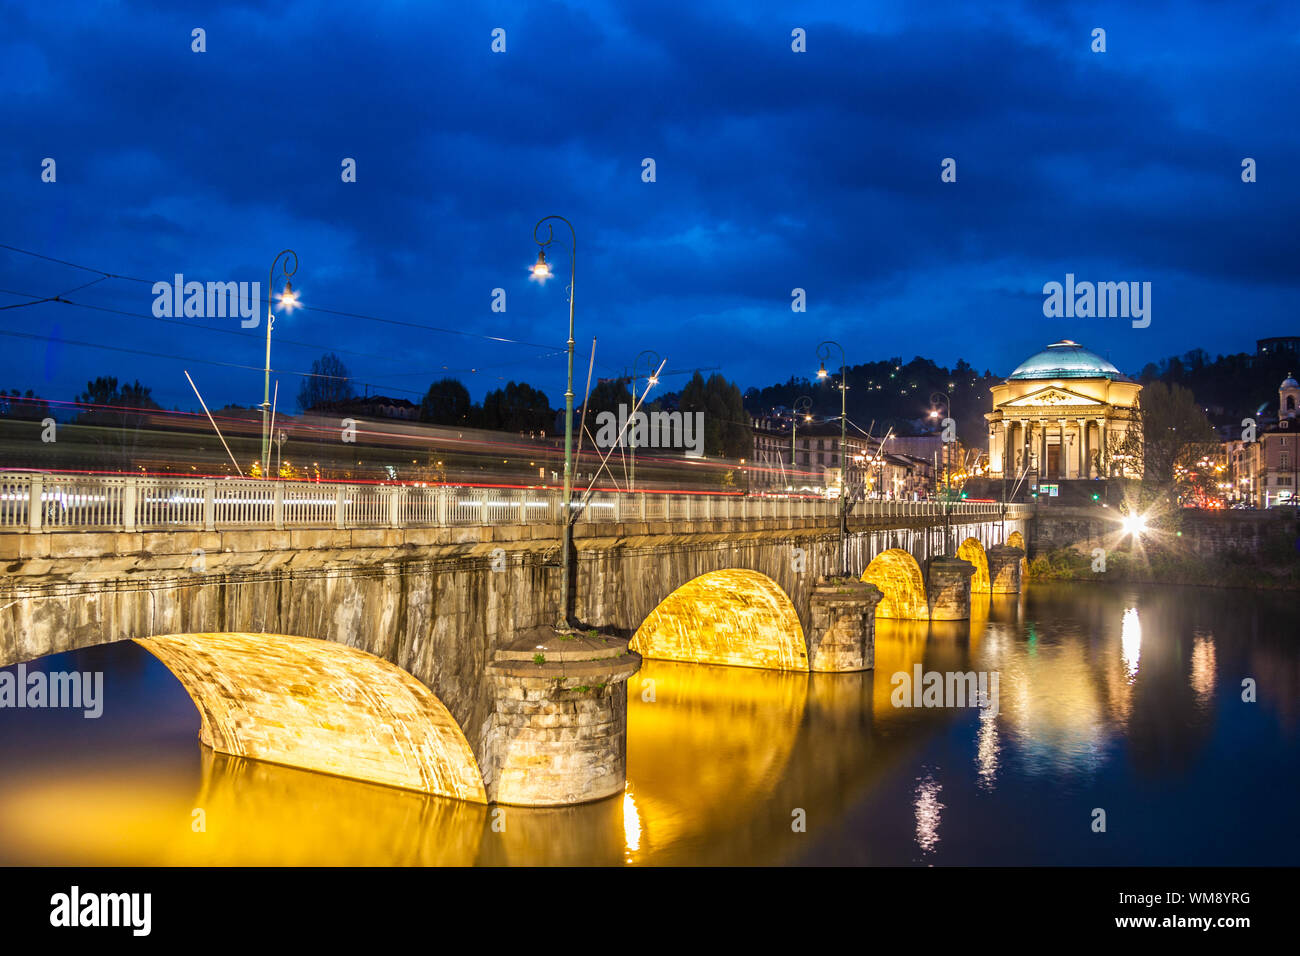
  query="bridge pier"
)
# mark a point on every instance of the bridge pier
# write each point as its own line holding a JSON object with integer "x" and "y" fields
{"x": 559, "y": 732}
{"x": 843, "y": 633}
{"x": 1004, "y": 568}
{"x": 947, "y": 588}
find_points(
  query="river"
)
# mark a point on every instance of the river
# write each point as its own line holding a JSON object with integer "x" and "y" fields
{"x": 1121, "y": 700}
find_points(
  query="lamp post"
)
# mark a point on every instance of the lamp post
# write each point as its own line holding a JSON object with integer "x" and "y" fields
{"x": 541, "y": 271}
{"x": 935, "y": 399}
{"x": 631, "y": 438}
{"x": 289, "y": 300}
{"x": 823, "y": 353}
{"x": 802, "y": 406}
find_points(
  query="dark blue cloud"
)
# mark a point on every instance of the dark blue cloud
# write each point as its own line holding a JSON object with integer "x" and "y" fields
{"x": 775, "y": 170}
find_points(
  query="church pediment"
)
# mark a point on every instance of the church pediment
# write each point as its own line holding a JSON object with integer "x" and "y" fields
{"x": 1051, "y": 397}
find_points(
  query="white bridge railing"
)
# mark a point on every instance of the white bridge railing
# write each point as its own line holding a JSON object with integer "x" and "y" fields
{"x": 37, "y": 502}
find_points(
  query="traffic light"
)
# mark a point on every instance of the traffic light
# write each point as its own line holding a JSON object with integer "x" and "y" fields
{"x": 1096, "y": 497}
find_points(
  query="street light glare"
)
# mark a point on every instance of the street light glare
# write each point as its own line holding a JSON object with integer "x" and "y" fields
{"x": 289, "y": 298}
{"x": 1134, "y": 525}
{"x": 541, "y": 270}
{"x": 821, "y": 372}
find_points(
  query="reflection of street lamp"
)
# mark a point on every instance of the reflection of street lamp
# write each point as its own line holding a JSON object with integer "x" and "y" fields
{"x": 289, "y": 300}
{"x": 802, "y": 406}
{"x": 541, "y": 271}
{"x": 823, "y": 353}
{"x": 631, "y": 438}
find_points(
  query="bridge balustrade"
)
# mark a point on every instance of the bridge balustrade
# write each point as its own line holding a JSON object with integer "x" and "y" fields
{"x": 35, "y": 502}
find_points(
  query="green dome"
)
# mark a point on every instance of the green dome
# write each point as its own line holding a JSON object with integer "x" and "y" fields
{"x": 1065, "y": 359}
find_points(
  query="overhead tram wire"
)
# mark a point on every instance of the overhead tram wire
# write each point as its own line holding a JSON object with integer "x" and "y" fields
{"x": 106, "y": 274}
{"x": 354, "y": 315}
{"x": 203, "y": 361}
{"x": 208, "y": 328}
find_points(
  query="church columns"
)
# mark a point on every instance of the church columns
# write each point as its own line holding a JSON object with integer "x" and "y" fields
{"x": 1062, "y": 459}
{"x": 1083, "y": 448}
{"x": 1105, "y": 451}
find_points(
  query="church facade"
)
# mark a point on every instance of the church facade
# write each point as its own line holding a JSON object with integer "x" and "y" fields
{"x": 1065, "y": 413}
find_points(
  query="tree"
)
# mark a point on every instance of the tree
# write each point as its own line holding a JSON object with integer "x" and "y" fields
{"x": 119, "y": 414}
{"x": 517, "y": 408}
{"x": 606, "y": 396}
{"x": 726, "y": 423}
{"x": 21, "y": 407}
{"x": 446, "y": 403}
{"x": 328, "y": 385}
{"x": 1175, "y": 433}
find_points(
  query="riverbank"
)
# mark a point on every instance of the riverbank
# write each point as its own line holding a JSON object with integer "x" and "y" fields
{"x": 1276, "y": 567}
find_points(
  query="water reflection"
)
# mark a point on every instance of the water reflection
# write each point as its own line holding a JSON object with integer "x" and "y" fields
{"x": 720, "y": 759}
{"x": 928, "y": 813}
{"x": 1131, "y": 638}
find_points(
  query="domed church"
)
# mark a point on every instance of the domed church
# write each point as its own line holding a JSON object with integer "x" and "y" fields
{"x": 1064, "y": 414}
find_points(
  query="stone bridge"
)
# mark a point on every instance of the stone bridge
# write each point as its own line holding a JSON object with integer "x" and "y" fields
{"x": 458, "y": 588}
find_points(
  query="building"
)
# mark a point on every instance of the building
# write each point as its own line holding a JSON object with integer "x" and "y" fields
{"x": 1065, "y": 413}
{"x": 1264, "y": 472}
{"x": 814, "y": 463}
{"x": 377, "y": 406}
{"x": 1289, "y": 344}
{"x": 939, "y": 456}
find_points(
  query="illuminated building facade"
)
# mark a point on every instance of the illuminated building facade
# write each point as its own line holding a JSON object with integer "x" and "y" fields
{"x": 1265, "y": 472}
{"x": 1065, "y": 413}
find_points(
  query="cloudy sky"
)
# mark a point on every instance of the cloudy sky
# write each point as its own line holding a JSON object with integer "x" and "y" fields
{"x": 774, "y": 170}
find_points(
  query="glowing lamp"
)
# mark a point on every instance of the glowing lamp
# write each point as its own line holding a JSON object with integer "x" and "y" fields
{"x": 288, "y": 298}
{"x": 541, "y": 270}
{"x": 821, "y": 372}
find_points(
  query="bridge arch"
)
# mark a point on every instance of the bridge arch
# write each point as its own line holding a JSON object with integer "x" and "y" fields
{"x": 1017, "y": 540}
{"x": 320, "y": 706}
{"x": 898, "y": 576}
{"x": 972, "y": 550}
{"x": 735, "y": 616}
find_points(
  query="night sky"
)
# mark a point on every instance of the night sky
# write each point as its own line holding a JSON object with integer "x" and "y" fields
{"x": 775, "y": 170}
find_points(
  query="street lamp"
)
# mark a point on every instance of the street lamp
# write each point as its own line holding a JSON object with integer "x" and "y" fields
{"x": 823, "y": 353}
{"x": 802, "y": 406}
{"x": 935, "y": 399}
{"x": 541, "y": 271}
{"x": 652, "y": 379}
{"x": 289, "y": 300}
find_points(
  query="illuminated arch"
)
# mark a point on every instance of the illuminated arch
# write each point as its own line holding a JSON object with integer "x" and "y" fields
{"x": 972, "y": 550}
{"x": 898, "y": 575}
{"x": 1017, "y": 540}
{"x": 320, "y": 706}
{"x": 737, "y": 617}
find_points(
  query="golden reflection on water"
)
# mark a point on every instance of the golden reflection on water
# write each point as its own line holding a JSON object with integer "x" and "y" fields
{"x": 707, "y": 748}
{"x": 244, "y": 812}
{"x": 717, "y": 759}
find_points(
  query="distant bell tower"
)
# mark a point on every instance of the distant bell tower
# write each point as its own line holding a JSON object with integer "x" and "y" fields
{"x": 1288, "y": 397}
